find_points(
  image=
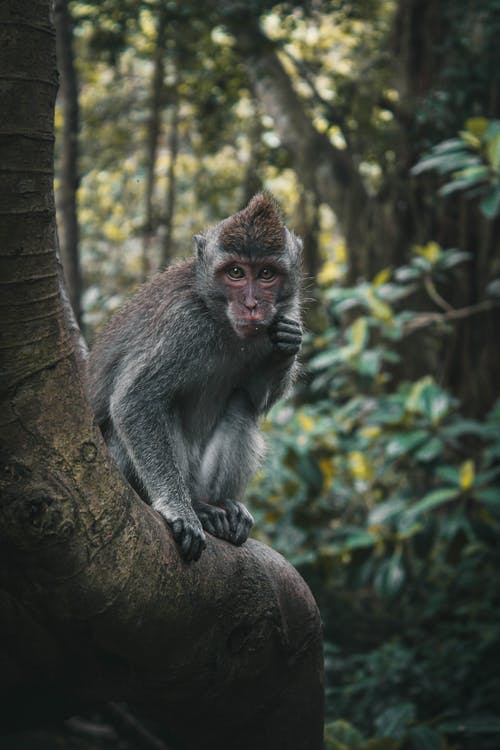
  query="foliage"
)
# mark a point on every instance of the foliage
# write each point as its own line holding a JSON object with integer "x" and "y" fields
{"x": 382, "y": 490}
{"x": 471, "y": 163}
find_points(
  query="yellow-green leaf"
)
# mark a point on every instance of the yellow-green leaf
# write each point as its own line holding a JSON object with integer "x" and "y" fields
{"x": 382, "y": 277}
{"x": 467, "y": 473}
{"x": 431, "y": 251}
{"x": 477, "y": 126}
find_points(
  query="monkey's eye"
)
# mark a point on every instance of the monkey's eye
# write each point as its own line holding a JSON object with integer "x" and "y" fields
{"x": 267, "y": 274}
{"x": 235, "y": 272}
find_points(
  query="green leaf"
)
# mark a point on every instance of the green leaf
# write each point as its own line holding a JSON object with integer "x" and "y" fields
{"x": 369, "y": 363}
{"x": 434, "y": 499}
{"x": 451, "y": 258}
{"x": 430, "y": 450}
{"x": 325, "y": 359}
{"x": 493, "y": 288}
{"x": 490, "y": 206}
{"x": 489, "y": 495}
{"x": 394, "y": 721}
{"x": 428, "y": 399}
{"x": 405, "y": 443}
{"x": 391, "y": 576}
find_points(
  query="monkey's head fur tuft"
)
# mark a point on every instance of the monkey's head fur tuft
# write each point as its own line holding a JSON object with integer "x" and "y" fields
{"x": 256, "y": 230}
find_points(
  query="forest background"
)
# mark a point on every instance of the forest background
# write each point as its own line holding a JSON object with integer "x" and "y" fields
{"x": 377, "y": 126}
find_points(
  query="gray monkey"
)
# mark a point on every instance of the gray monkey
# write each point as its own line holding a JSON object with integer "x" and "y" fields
{"x": 181, "y": 374}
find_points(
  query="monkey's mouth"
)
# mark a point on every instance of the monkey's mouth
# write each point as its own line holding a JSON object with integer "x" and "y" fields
{"x": 249, "y": 326}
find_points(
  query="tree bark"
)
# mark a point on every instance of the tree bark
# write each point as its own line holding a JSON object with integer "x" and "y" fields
{"x": 96, "y": 603}
{"x": 154, "y": 125}
{"x": 173, "y": 147}
{"x": 67, "y": 204}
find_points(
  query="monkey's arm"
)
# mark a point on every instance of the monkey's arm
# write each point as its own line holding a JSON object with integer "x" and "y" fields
{"x": 143, "y": 425}
{"x": 275, "y": 376}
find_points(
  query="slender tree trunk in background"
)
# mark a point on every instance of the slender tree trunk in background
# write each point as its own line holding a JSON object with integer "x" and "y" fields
{"x": 252, "y": 183}
{"x": 67, "y": 204}
{"x": 154, "y": 126}
{"x": 327, "y": 171}
{"x": 173, "y": 147}
{"x": 96, "y": 604}
{"x": 307, "y": 226}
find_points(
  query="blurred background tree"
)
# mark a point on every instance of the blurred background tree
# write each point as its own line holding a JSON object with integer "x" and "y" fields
{"x": 376, "y": 124}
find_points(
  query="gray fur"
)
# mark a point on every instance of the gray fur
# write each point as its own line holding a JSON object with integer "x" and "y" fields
{"x": 177, "y": 394}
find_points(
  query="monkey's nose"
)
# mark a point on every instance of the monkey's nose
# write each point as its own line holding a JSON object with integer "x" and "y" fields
{"x": 251, "y": 304}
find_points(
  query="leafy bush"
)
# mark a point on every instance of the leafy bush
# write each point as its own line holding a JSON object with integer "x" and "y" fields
{"x": 388, "y": 500}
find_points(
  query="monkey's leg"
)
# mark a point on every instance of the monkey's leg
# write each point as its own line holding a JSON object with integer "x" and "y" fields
{"x": 136, "y": 421}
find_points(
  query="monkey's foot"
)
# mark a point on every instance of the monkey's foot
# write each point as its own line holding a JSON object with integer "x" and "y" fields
{"x": 228, "y": 520}
{"x": 189, "y": 536}
{"x": 286, "y": 335}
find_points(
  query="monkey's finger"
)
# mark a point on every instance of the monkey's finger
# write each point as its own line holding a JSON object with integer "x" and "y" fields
{"x": 286, "y": 337}
{"x": 233, "y": 516}
{"x": 178, "y": 530}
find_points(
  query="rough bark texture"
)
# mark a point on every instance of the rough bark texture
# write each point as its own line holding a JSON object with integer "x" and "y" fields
{"x": 95, "y": 602}
{"x": 67, "y": 207}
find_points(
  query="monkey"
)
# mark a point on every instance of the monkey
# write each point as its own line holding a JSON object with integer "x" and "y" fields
{"x": 181, "y": 374}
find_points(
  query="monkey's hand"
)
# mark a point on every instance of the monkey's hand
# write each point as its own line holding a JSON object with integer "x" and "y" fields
{"x": 286, "y": 335}
{"x": 228, "y": 520}
{"x": 186, "y": 529}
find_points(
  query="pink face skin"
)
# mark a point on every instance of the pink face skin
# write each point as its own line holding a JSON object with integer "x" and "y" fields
{"x": 251, "y": 289}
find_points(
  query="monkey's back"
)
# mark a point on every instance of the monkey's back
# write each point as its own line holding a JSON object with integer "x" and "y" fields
{"x": 139, "y": 328}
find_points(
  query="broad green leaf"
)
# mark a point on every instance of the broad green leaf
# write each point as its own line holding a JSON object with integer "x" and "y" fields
{"x": 493, "y": 288}
{"x": 391, "y": 576}
{"x": 393, "y": 721}
{"x": 407, "y": 273}
{"x": 430, "y": 450}
{"x": 452, "y": 258}
{"x": 427, "y": 398}
{"x": 488, "y": 495}
{"x": 405, "y": 443}
{"x": 490, "y": 206}
{"x": 369, "y": 363}
{"x": 434, "y": 499}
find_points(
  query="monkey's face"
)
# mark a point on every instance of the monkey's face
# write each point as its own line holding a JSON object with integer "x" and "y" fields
{"x": 251, "y": 290}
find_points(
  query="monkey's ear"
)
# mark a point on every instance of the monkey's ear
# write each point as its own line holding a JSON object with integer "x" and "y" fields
{"x": 294, "y": 245}
{"x": 200, "y": 241}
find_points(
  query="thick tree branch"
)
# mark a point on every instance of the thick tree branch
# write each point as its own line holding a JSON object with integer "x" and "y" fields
{"x": 96, "y": 603}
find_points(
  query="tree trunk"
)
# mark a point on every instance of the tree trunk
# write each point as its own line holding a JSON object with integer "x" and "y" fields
{"x": 96, "y": 603}
{"x": 324, "y": 170}
{"x": 154, "y": 124}
{"x": 173, "y": 143}
{"x": 67, "y": 206}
